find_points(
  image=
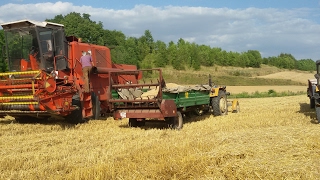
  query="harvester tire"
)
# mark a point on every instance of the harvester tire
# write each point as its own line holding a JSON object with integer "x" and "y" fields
{"x": 95, "y": 106}
{"x": 75, "y": 117}
{"x": 312, "y": 103}
{"x": 219, "y": 104}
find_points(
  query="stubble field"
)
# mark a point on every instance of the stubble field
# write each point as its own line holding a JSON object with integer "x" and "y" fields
{"x": 271, "y": 138}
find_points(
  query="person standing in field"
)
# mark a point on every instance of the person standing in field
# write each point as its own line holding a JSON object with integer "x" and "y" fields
{"x": 87, "y": 64}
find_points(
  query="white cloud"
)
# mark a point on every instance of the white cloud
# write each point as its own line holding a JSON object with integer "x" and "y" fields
{"x": 271, "y": 31}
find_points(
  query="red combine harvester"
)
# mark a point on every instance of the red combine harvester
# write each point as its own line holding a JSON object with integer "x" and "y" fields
{"x": 45, "y": 76}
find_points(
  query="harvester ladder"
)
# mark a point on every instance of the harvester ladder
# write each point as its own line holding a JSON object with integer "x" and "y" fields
{"x": 87, "y": 105}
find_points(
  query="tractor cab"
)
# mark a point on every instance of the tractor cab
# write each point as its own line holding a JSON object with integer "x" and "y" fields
{"x": 32, "y": 45}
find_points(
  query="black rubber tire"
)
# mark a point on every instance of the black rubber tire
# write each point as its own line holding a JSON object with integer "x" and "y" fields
{"x": 75, "y": 117}
{"x": 312, "y": 103}
{"x": 95, "y": 106}
{"x": 133, "y": 122}
{"x": 219, "y": 104}
{"x": 176, "y": 122}
{"x": 318, "y": 113}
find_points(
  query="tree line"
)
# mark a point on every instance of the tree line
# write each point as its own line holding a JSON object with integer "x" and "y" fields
{"x": 145, "y": 52}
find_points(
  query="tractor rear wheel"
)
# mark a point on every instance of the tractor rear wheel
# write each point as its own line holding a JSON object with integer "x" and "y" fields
{"x": 75, "y": 117}
{"x": 219, "y": 104}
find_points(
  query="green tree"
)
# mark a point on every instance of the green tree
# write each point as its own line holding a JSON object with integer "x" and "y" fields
{"x": 216, "y": 56}
{"x": 132, "y": 51}
{"x": 160, "y": 50}
{"x": 194, "y": 56}
{"x": 172, "y": 53}
{"x": 254, "y": 58}
{"x": 204, "y": 55}
{"x": 306, "y": 65}
{"x": 113, "y": 38}
{"x": 3, "y": 64}
{"x": 81, "y": 27}
{"x": 287, "y": 61}
{"x": 183, "y": 57}
{"x": 145, "y": 45}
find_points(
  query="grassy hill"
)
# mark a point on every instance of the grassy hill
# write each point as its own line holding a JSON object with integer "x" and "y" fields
{"x": 235, "y": 76}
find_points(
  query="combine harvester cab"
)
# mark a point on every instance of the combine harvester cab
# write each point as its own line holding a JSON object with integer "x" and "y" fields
{"x": 313, "y": 91}
{"x": 45, "y": 78}
{"x": 154, "y": 100}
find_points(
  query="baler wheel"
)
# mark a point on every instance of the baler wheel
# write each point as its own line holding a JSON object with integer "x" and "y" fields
{"x": 176, "y": 122}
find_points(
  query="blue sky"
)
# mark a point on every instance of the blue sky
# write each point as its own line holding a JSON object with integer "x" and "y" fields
{"x": 270, "y": 26}
{"x": 128, "y": 4}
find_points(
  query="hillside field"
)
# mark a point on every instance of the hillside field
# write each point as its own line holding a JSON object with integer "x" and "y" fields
{"x": 235, "y": 76}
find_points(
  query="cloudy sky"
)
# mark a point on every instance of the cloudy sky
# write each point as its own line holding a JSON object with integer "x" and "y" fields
{"x": 270, "y": 26}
